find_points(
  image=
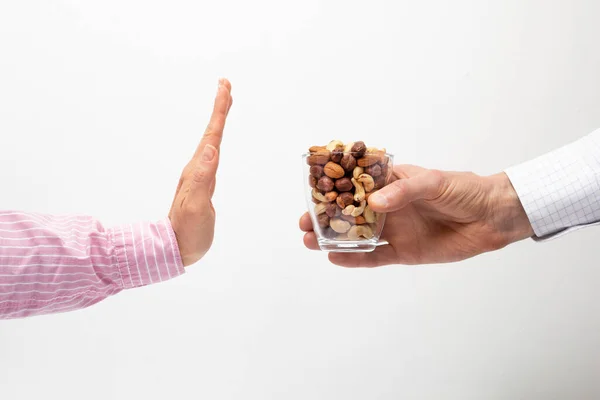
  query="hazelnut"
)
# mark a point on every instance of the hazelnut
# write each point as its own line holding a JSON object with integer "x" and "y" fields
{"x": 344, "y": 185}
{"x": 337, "y": 154}
{"x": 325, "y": 184}
{"x": 331, "y": 210}
{"x": 345, "y": 199}
{"x": 360, "y": 220}
{"x": 316, "y": 171}
{"x": 348, "y": 162}
{"x": 331, "y": 196}
{"x": 329, "y": 233}
{"x": 320, "y": 158}
{"x": 379, "y": 182}
{"x": 333, "y": 170}
{"x": 316, "y": 201}
{"x": 312, "y": 181}
{"x": 373, "y": 170}
{"x": 358, "y": 149}
{"x": 354, "y": 220}
{"x": 385, "y": 170}
{"x": 323, "y": 220}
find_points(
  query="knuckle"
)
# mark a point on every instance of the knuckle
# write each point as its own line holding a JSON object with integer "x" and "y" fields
{"x": 191, "y": 208}
{"x": 186, "y": 172}
{"x": 437, "y": 180}
{"x": 435, "y": 175}
{"x": 213, "y": 129}
{"x": 199, "y": 176}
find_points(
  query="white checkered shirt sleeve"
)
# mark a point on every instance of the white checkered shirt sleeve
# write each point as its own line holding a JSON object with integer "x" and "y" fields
{"x": 560, "y": 190}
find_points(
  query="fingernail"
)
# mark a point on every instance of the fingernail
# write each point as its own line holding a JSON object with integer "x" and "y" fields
{"x": 209, "y": 153}
{"x": 378, "y": 199}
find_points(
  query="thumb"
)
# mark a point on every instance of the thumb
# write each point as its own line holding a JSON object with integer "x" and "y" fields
{"x": 398, "y": 194}
{"x": 203, "y": 175}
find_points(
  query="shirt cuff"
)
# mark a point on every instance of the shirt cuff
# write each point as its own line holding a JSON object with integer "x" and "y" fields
{"x": 146, "y": 253}
{"x": 560, "y": 190}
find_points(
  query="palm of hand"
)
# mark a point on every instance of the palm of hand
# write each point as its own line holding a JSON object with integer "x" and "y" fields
{"x": 192, "y": 213}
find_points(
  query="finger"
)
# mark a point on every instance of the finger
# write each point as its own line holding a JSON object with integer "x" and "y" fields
{"x": 306, "y": 223}
{"x": 407, "y": 170}
{"x": 382, "y": 255}
{"x": 202, "y": 177}
{"x": 213, "y": 134}
{"x": 212, "y": 187}
{"x": 230, "y": 104}
{"x": 427, "y": 185}
{"x": 310, "y": 241}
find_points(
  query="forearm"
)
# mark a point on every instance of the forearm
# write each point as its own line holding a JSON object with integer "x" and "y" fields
{"x": 54, "y": 264}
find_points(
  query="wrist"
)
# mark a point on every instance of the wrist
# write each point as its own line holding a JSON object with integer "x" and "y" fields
{"x": 506, "y": 213}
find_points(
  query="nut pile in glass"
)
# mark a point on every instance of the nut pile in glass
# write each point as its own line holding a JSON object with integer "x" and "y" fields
{"x": 342, "y": 177}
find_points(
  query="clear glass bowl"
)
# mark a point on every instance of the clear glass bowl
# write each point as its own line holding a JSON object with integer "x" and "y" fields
{"x": 344, "y": 223}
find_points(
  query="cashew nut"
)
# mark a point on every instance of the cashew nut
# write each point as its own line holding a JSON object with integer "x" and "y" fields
{"x": 354, "y": 211}
{"x": 357, "y": 172}
{"x": 333, "y": 144}
{"x": 339, "y": 225}
{"x": 320, "y": 208}
{"x": 367, "y": 181}
{"x": 348, "y": 147}
{"x": 360, "y": 230}
{"x": 317, "y": 195}
{"x": 359, "y": 193}
{"x": 369, "y": 215}
{"x": 348, "y": 210}
{"x": 359, "y": 210}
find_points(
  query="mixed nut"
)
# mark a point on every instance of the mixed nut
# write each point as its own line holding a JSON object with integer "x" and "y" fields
{"x": 342, "y": 177}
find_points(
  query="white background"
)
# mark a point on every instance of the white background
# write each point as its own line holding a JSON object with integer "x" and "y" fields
{"x": 102, "y": 103}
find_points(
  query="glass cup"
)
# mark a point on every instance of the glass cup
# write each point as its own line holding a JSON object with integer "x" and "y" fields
{"x": 337, "y": 199}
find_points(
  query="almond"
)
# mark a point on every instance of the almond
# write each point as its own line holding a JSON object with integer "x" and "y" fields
{"x": 334, "y": 170}
{"x": 319, "y": 158}
{"x": 368, "y": 159}
{"x": 315, "y": 149}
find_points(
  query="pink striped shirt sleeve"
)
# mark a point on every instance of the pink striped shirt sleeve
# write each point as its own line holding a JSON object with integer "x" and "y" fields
{"x": 51, "y": 264}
